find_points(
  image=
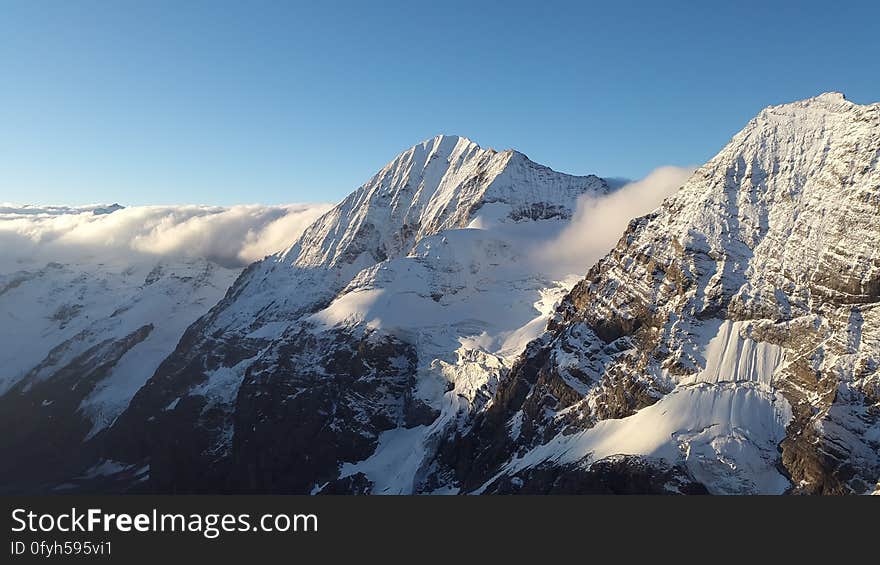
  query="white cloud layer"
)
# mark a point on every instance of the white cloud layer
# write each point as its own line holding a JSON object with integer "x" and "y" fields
{"x": 599, "y": 222}
{"x": 231, "y": 236}
{"x": 237, "y": 235}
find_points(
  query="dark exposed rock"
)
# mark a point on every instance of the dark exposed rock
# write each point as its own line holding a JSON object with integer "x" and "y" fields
{"x": 43, "y": 427}
{"x": 352, "y": 484}
{"x": 325, "y": 401}
{"x": 613, "y": 475}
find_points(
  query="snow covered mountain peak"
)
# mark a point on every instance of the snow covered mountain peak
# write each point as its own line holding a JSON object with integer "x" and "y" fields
{"x": 443, "y": 144}
{"x": 803, "y": 172}
{"x": 444, "y": 183}
{"x": 828, "y": 109}
{"x": 830, "y": 95}
{"x": 828, "y": 98}
{"x": 827, "y": 102}
{"x": 441, "y": 183}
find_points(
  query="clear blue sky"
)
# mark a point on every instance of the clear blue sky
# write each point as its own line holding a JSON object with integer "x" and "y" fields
{"x": 221, "y": 103}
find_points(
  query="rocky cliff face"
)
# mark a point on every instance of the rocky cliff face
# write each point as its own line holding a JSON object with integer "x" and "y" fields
{"x": 732, "y": 333}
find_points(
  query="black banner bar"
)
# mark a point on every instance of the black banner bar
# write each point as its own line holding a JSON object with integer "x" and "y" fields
{"x": 219, "y": 529}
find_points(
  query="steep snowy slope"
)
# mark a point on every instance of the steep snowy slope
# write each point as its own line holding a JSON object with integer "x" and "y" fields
{"x": 730, "y": 340}
{"x": 92, "y": 299}
{"x": 80, "y": 340}
{"x": 56, "y": 312}
{"x": 337, "y": 365}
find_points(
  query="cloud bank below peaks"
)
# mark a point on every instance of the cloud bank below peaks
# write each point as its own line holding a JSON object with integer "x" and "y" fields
{"x": 599, "y": 222}
{"x": 230, "y": 236}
